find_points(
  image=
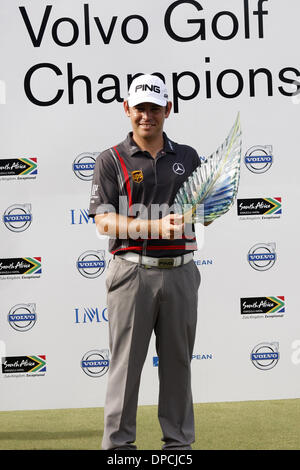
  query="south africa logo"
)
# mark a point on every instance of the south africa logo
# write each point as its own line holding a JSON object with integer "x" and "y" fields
{"x": 26, "y": 267}
{"x": 20, "y": 167}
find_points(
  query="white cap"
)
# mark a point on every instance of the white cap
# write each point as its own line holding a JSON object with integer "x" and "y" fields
{"x": 147, "y": 89}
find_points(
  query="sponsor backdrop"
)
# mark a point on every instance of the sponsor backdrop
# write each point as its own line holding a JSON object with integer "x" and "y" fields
{"x": 66, "y": 67}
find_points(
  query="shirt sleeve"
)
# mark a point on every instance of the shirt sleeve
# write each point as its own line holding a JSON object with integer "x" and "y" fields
{"x": 196, "y": 159}
{"x": 105, "y": 192}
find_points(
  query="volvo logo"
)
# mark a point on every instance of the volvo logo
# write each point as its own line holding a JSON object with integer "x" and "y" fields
{"x": 262, "y": 256}
{"x": 18, "y": 217}
{"x": 22, "y": 317}
{"x": 91, "y": 264}
{"x": 265, "y": 355}
{"x": 259, "y": 159}
{"x": 95, "y": 363}
{"x": 84, "y": 164}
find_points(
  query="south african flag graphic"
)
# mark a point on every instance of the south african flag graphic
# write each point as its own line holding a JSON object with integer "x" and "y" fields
{"x": 20, "y": 266}
{"x": 28, "y": 365}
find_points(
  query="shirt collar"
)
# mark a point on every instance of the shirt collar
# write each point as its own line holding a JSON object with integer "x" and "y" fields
{"x": 133, "y": 148}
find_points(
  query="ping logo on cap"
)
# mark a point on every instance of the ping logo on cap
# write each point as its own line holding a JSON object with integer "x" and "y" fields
{"x": 146, "y": 87}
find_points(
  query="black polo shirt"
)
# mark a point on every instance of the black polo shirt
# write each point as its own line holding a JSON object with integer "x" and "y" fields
{"x": 131, "y": 182}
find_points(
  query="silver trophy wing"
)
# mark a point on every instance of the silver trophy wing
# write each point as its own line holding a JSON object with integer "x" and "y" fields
{"x": 215, "y": 183}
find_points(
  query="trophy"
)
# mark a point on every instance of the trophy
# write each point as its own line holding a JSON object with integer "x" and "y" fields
{"x": 213, "y": 186}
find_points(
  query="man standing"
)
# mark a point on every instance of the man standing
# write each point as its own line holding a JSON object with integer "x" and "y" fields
{"x": 152, "y": 281}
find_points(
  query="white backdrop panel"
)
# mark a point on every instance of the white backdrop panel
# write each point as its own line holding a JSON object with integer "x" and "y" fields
{"x": 214, "y": 76}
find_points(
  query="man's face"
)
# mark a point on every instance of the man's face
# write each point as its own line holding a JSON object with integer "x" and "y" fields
{"x": 147, "y": 119}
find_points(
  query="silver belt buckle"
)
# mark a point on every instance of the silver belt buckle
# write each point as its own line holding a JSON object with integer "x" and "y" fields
{"x": 167, "y": 263}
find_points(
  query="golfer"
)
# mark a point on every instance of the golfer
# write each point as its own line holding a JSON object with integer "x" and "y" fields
{"x": 152, "y": 281}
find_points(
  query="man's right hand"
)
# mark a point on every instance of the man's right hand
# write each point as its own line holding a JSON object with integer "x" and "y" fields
{"x": 171, "y": 226}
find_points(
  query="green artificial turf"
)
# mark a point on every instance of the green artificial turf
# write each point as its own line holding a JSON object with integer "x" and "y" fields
{"x": 255, "y": 425}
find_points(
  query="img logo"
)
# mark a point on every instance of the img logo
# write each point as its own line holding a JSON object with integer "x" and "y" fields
{"x": 95, "y": 363}
{"x": 265, "y": 356}
{"x": 22, "y": 317}
{"x": 80, "y": 217}
{"x": 18, "y": 217}
{"x": 91, "y": 315}
{"x": 262, "y": 256}
{"x": 259, "y": 159}
{"x": 84, "y": 164}
{"x": 91, "y": 264}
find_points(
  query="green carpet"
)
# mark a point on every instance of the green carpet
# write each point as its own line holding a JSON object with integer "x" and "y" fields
{"x": 255, "y": 425}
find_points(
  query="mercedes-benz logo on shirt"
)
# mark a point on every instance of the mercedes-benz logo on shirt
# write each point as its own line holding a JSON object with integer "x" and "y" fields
{"x": 178, "y": 168}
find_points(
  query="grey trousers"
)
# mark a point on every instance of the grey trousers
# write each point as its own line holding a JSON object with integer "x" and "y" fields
{"x": 141, "y": 300}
